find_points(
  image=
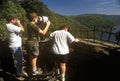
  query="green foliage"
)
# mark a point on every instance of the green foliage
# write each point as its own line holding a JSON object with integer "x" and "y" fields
{"x": 34, "y": 6}
{"x": 20, "y": 9}
{"x": 3, "y": 34}
{"x": 11, "y": 7}
{"x": 116, "y": 18}
{"x": 95, "y": 20}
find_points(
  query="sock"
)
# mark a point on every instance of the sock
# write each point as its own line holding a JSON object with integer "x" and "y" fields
{"x": 58, "y": 71}
{"x": 63, "y": 75}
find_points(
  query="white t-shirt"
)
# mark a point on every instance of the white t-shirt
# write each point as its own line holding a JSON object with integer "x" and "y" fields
{"x": 60, "y": 41}
{"x": 14, "y": 35}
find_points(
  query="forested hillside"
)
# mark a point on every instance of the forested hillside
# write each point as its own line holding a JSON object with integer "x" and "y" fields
{"x": 20, "y": 9}
{"x": 116, "y": 18}
{"x": 96, "y": 20}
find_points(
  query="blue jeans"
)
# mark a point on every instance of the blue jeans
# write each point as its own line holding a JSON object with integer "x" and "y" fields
{"x": 17, "y": 56}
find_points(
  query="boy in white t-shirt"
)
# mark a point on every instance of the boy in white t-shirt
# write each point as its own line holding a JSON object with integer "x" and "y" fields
{"x": 60, "y": 48}
{"x": 15, "y": 42}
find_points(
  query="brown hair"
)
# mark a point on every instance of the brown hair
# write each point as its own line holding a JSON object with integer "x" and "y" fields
{"x": 63, "y": 27}
{"x": 32, "y": 15}
{"x": 9, "y": 18}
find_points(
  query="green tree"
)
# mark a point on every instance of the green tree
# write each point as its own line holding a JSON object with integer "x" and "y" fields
{"x": 10, "y": 7}
{"x": 95, "y": 20}
{"x": 34, "y": 6}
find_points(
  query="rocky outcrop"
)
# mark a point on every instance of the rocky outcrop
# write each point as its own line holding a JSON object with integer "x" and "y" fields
{"x": 93, "y": 60}
{"x": 88, "y": 60}
{"x": 95, "y": 46}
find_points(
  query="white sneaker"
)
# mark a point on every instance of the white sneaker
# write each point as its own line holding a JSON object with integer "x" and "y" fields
{"x": 60, "y": 78}
{"x": 36, "y": 72}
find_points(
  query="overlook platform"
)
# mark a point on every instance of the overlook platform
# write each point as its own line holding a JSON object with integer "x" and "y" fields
{"x": 88, "y": 60}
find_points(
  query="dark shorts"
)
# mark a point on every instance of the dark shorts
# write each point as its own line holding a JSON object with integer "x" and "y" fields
{"x": 33, "y": 48}
{"x": 60, "y": 58}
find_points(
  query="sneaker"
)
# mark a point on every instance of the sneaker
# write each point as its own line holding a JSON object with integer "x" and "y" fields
{"x": 60, "y": 78}
{"x": 57, "y": 72}
{"x": 36, "y": 72}
{"x": 39, "y": 69}
{"x": 21, "y": 74}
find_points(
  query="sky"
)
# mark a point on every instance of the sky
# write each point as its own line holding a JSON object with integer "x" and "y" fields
{"x": 77, "y": 7}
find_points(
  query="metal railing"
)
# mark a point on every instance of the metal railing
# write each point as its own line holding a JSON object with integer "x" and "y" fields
{"x": 97, "y": 34}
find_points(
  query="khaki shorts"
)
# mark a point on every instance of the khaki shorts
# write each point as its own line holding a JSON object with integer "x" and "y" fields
{"x": 33, "y": 47}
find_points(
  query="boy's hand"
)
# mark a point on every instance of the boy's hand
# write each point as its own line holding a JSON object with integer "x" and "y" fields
{"x": 77, "y": 40}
